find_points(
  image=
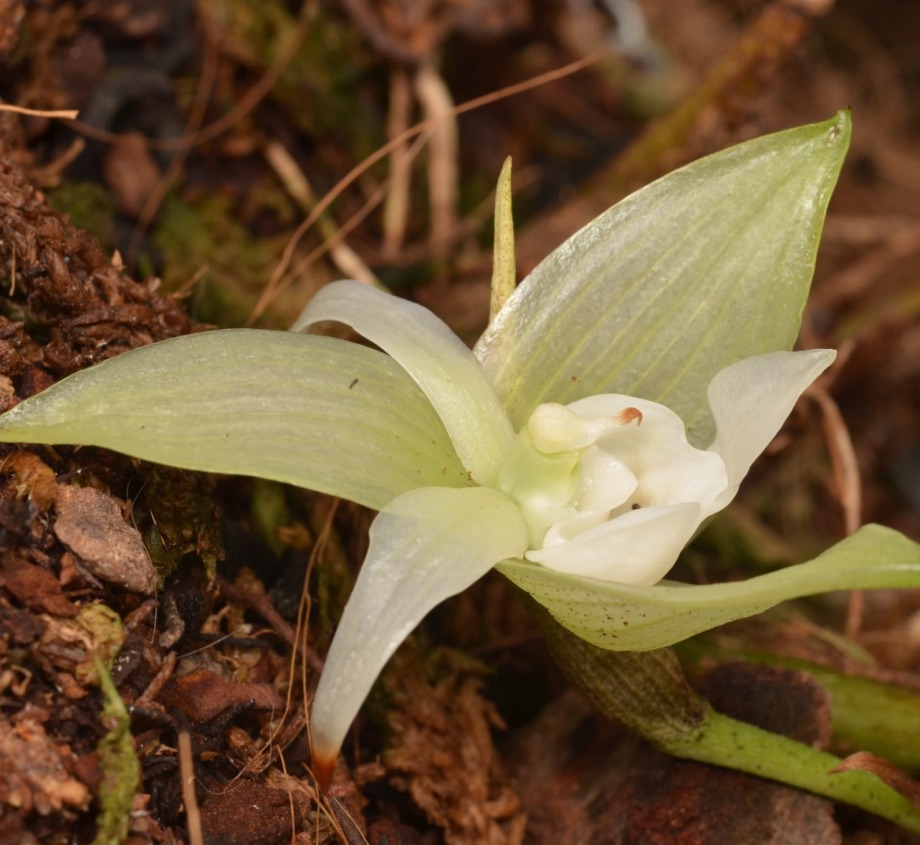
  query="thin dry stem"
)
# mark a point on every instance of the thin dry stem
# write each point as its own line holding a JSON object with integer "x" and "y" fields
{"x": 434, "y": 96}
{"x": 67, "y": 114}
{"x": 848, "y": 485}
{"x": 187, "y": 770}
{"x": 295, "y": 182}
{"x": 396, "y": 205}
{"x": 350, "y": 225}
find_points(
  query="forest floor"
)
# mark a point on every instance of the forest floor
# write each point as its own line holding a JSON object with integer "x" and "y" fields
{"x": 207, "y": 134}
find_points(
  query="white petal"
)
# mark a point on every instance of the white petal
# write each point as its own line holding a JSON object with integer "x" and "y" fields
{"x": 751, "y": 399}
{"x": 670, "y": 471}
{"x": 438, "y": 361}
{"x": 637, "y": 548}
{"x": 425, "y": 546}
{"x": 605, "y": 482}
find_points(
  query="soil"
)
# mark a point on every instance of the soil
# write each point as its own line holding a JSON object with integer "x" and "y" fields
{"x": 207, "y": 134}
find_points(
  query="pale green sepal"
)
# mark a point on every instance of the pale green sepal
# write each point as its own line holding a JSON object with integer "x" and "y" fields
{"x": 446, "y": 371}
{"x": 620, "y": 618}
{"x": 504, "y": 274}
{"x": 708, "y": 265}
{"x": 317, "y": 412}
{"x": 424, "y": 547}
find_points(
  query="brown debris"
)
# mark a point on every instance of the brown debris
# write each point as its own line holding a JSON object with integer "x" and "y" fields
{"x": 18, "y": 627}
{"x": 89, "y": 307}
{"x": 34, "y": 771}
{"x": 444, "y": 756}
{"x": 34, "y": 477}
{"x": 12, "y": 14}
{"x": 779, "y": 700}
{"x": 91, "y": 524}
{"x": 678, "y": 803}
{"x": 248, "y": 812}
{"x": 132, "y": 172}
{"x": 34, "y": 586}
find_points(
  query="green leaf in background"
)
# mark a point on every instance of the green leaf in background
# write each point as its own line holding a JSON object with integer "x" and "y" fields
{"x": 708, "y": 265}
{"x": 623, "y": 618}
{"x": 317, "y": 412}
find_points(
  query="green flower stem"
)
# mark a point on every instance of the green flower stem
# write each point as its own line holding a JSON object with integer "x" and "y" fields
{"x": 738, "y": 745}
{"x": 648, "y": 692}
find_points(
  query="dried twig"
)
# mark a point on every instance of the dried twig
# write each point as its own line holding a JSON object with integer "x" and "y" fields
{"x": 187, "y": 769}
{"x": 274, "y": 284}
{"x": 847, "y": 483}
{"x": 295, "y": 182}
{"x": 438, "y": 106}
{"x": 396, "y": 205}
{"x": 67, "y": 114}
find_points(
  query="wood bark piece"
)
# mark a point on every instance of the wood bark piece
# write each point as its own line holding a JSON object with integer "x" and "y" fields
{"x": 91, "y": 524}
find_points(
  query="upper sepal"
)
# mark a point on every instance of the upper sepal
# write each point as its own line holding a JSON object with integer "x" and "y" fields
{"x": 709, "y": 265}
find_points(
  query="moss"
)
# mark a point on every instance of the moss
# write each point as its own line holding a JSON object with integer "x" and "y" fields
{"x": 89, "y": 205}
{"x": 118, "y": 763}
{"x": 204, "y": 238}
{"x": 183, "y": 520}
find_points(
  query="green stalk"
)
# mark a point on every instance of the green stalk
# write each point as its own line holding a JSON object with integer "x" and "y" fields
{"x": 648, "y": 692}
{"x": 737, "y": 745}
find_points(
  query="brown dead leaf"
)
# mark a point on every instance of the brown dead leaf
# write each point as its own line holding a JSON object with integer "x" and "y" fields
{"x": 231, "y": 809}
{"x": 90, "y": 523}
{"x": 131, "y": 172}
{"x": 203, "y": 696}
{"x": 33, "y": 775}
{"x": 34, "y": 586}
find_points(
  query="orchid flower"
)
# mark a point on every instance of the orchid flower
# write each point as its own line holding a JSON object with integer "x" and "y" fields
{"x": 607, "y": 487}
{"x": 616, "y": 401}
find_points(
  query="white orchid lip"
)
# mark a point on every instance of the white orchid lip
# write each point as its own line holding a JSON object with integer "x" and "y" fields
{"x": 581, "y": 473}
{"x": 606, "y": 499}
